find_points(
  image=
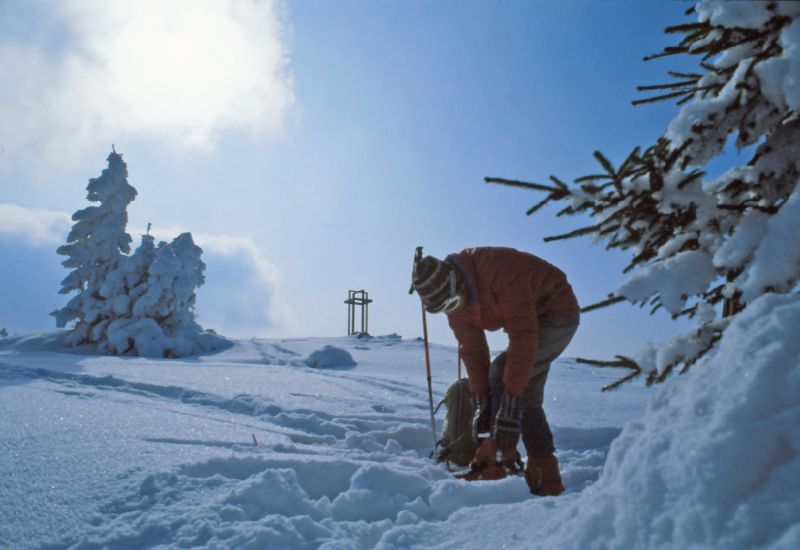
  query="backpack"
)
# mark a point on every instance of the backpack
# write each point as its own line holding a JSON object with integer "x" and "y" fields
{"x": 457, "y": 445}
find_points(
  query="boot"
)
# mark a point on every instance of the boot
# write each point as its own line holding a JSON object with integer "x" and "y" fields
{"x": 484, "y": 465}
{"x": 543, "y": 476}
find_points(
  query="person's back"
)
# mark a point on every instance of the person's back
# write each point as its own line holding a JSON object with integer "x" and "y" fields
{"x": 490, "y": 270}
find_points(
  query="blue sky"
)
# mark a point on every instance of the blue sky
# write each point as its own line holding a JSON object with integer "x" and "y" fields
{"x": 310, "y": 146}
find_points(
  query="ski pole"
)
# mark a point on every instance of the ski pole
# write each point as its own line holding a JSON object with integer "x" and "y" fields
{"x": 428, "y": 370}
{"x": 417, "y": 258}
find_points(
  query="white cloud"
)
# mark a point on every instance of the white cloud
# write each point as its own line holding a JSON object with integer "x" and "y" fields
{"x": 240, "y": 296}
{"x": 33, "y": 225}
{"x": 180, "y": 72}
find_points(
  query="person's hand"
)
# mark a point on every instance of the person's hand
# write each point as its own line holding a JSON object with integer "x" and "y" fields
{"x": 482, "y": 419}
{"x": 507, "y": 422}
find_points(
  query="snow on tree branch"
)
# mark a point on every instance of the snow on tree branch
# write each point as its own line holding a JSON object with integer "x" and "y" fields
{"x": 704, "y": 247}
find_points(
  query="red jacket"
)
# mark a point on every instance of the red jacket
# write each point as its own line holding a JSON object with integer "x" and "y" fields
{"x": 511, "y": 290}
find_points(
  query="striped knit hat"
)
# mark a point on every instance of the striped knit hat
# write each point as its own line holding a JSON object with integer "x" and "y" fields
{"x": 435, "y": 285}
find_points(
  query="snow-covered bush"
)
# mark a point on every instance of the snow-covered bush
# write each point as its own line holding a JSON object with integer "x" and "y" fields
{"x": 706, "y": 248}
{"x": 138, "y": 304}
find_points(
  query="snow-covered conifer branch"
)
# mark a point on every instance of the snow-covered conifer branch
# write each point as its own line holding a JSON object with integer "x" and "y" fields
{"x": 715, "y": 243}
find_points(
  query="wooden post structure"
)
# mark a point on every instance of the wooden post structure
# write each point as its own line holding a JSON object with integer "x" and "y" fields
{"x": 357, "y": 298}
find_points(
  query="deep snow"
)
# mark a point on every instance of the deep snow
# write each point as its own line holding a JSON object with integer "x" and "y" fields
{"x": 129, "y": 452}
{"x": 253, "y": 448}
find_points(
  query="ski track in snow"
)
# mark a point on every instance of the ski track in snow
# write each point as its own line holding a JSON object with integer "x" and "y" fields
{"x": 318, "y": 479}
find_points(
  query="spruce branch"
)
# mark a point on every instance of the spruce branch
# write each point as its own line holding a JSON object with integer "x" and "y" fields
{"x": 611, "y": 300}
{"x": 669, "y": 86}
{"x": 621, "y": 362}
{"x": 576, "y": 233}
{"x": 669, "y": 50}
{"x": 692, "y": 76}
{"x": 591, "y": 177}
{"x": 620, "y": 382}
{"x": 522, "y": 184}
{"x": 605, "y": 163}
{"x": 635, "y": 215}
{"x": 537, "y": 206}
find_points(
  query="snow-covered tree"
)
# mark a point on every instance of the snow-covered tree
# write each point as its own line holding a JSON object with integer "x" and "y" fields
{"x": 705, "y": 247}
{"x": 173, "y": 277}
{"x": 96, "y": 245}
{"x": 161, "y": 320}
{"x": 141, "y": 303}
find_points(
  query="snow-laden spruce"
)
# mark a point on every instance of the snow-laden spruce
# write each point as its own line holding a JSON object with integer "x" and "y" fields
{"x": 96, "y": 246}
{"x": 706, "y": 248}
{"x": 139, "y": 304}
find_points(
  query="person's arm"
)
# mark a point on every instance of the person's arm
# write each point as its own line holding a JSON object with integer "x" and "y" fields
{"x": 474, "y": 353}
{"x": 518, "y": 304}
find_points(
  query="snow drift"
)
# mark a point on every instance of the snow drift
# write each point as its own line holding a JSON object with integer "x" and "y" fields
{"x": 715, "y": 460}
{"x": 330, "y": 357}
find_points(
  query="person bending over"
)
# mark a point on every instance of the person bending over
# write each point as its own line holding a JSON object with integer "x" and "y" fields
{"x": 488, "y": 288}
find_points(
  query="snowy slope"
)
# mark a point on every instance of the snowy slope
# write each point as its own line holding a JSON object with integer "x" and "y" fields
{"x": 126, "y": 452}
{"x": 115, "y": 452}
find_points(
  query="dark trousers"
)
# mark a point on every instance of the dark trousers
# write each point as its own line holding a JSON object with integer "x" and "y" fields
{"x": 555, "y": 333}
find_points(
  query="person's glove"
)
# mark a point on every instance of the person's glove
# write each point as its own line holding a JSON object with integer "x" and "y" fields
{"x": 507, "y": 422}
{"x": 482, "y": 420}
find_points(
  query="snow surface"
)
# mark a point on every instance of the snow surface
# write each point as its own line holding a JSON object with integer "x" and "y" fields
{"x": 129, "y": 452}
{"x": 252, "y": 448}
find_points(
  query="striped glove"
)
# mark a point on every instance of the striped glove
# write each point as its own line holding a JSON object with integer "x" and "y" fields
{"x": 507, "y": 422}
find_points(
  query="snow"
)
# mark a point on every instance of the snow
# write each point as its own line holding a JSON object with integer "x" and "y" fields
{"x": 743, "y": 13}
{"x": 324, "y": 442}
{"x": 714, "y": 461}
{"x": 330, "y": 357}
{"x": 777, "y": 258}
{"x": 674, "y": 279}
{"x": 790, "y": 41}
{"x": 109, "y": 451}
{"x": 749, "y": 232}
{"x": 252, "y": 448}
